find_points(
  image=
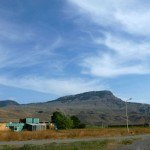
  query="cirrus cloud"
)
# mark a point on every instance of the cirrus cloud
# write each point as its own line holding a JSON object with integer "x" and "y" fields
{"x": 125, "y": 30}
{"x": 59, "y": 87}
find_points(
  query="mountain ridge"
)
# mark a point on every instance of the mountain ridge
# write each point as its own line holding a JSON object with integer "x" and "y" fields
{"x": 84, "y": 96}
{"x": 94, "y": 107}
{"x": 92, "y": 93}
{"x": 5, "y": 103}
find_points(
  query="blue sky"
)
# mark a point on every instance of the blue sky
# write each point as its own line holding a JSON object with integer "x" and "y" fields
{"x": 52, "y": 48}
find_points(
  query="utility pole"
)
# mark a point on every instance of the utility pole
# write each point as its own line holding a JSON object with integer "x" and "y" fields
{"x": 148, "y": 116}
{"x": 127, "y": 114}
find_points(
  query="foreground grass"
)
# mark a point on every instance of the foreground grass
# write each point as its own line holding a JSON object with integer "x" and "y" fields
{"x": 73, "y": 133}
{"x": 94, "y": 145}
{"x": 127, "y": 141}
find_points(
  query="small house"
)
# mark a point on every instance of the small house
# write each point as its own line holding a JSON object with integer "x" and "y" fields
{"x": 31, "y": 124}
{"x": 15, "y": 126}
{"x": 36, "y": 127}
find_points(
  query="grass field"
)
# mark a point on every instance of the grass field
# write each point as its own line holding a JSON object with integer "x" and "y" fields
{"x": 73, "y": 133}
{"x": 95, "y": 145}
{"x": 90, "y": 145}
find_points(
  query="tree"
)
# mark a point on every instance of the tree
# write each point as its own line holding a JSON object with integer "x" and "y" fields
{"x": 68, "y": 123}
{"x": 76, "y": 123}
{"x": 62, "y": 121}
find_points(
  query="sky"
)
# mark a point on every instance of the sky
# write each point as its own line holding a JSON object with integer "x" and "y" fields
{"x": 53, "y": 48}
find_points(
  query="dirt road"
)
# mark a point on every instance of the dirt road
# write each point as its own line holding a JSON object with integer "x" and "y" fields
{"x": 143, "y": 138}
{"x": 140, "y": 144}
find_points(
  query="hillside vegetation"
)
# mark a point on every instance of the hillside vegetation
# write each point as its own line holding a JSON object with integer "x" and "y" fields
{"x": 95, "y": 108}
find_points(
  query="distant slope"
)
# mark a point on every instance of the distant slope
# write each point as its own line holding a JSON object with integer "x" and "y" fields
{"x": 88, "y": 96}
{"x": 98, "y": 107}
{"x": 103, "y": 98}
{"x": 95, "y": 108}
{"x": 5, "y": 103}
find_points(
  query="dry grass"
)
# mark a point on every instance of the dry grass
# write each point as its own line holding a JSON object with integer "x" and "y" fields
{"x": 73, "y": 133}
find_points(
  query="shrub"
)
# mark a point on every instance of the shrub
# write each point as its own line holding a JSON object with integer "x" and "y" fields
{"x": 62, "y": 121}
{"x": 76, "y": 123}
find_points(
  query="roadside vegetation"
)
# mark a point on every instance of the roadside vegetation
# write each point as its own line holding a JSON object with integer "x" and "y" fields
{"x": 127, "y": 141}
{"x": 70, "y": 133}
{"x": 94, "y": 145}
{"x": 84, "y": 145}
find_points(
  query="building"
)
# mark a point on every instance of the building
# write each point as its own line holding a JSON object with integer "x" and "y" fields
{"x": 30, "y": 120}
{"x": 36, "y": 127}
{"x": 15, "y": 126}
{"x": 31, "y": 124}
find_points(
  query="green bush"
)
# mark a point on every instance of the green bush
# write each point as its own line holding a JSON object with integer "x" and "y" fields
{"x": 66, "y": 122}
{"x": 62, "y": 121}
{"x": 76, "y": 123}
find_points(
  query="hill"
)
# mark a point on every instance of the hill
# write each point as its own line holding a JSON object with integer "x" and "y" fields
{"x": 5, "y": 103}
{"x": 95, "y": 108}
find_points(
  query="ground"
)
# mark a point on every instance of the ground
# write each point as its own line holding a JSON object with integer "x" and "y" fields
{"x": 77, "y": 139}
{"x": 137, "y": 142}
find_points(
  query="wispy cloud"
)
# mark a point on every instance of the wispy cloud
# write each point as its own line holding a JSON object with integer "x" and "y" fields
{"x": 59, "y": 87}
{"x": 18, "y": 58}
{"x": 23, "y": 46}
{"x": 111, "y": 66}
{"x": 13, "y": 32}
{"x": 125, "y": 34}
{"x": 73, "y": 46}
{"x": 124, "y": 57}
{"x": 131, "y": 16}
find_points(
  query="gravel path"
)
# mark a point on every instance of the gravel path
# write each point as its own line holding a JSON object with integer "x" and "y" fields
{"x": 144, "y": 140}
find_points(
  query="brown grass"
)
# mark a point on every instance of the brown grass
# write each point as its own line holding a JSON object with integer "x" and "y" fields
{"x": 73, "y": 133}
